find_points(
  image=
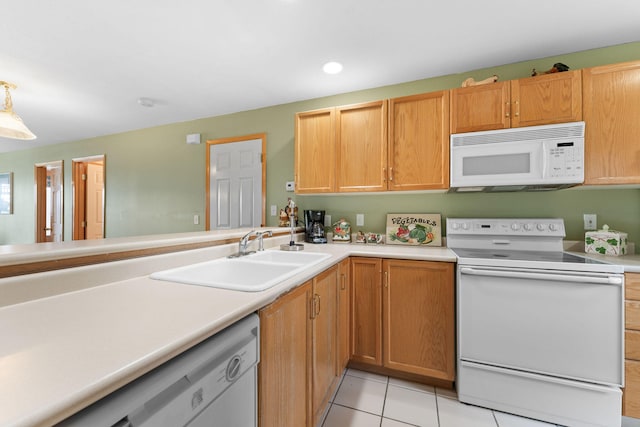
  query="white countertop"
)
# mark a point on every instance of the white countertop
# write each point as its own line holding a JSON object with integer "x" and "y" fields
{"x": 61, "y": 353}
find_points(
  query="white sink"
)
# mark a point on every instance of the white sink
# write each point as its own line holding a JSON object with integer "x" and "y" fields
{"x": 251, "y": 273}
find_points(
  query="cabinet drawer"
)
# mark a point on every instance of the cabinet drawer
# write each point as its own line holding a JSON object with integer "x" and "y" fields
{"x": 631, "y": 393}
{"x": 632, "y": 315}
{"x": 632, "y": 345}
{"x": 632, "y": 286}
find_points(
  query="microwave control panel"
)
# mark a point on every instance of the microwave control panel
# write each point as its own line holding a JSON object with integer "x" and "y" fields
{"x": 565, "y": 158}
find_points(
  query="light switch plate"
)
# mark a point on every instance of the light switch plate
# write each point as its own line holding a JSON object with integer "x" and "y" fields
{"x": 274, "y": 209}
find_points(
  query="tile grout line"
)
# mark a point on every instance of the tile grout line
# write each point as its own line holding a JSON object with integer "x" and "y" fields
{"x": 384, "y": 401}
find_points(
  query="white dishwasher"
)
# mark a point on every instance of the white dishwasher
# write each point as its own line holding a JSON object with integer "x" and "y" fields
{"x": 214, "y": 384}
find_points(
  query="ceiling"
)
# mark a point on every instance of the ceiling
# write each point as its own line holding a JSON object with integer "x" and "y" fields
{"x": 81, "y": 66}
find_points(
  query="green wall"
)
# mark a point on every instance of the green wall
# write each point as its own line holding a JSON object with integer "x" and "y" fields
{"x": 156, "y": 182}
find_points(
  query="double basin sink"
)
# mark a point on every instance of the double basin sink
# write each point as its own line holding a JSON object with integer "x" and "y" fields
{"x": 250, "y": 273}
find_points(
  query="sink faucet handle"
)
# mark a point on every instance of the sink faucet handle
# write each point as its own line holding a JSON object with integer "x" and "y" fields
{"x": 260, "y": 235}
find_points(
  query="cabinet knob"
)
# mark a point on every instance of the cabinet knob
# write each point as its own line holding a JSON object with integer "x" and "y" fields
{"x": 517, "y": 113}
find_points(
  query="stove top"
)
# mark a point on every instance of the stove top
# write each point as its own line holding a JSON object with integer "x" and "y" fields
{"x": 534, "y": 243}
{"x": 542, "y": 256}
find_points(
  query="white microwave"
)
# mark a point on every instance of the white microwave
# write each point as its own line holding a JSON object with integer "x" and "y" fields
{"x": 532, "y": 158}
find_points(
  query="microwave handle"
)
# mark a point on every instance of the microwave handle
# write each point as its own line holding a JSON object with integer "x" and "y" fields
{"x": 610, "y": 280}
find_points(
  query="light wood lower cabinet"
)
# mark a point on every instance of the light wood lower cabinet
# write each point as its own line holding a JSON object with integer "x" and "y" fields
{"x": 418, "y": 332}
{"x": 324, "y": 340}
{"x": 631, "y": 392}
{"x": 344, "y": 310}
{"x": 299, "y": 370}
{"x": 284, "y": 365}
{"x": 403, "y": 316}
{"x": 366, "y": 311}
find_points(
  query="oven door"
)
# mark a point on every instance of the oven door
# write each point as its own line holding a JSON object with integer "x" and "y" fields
{"x": 564, "y": 324}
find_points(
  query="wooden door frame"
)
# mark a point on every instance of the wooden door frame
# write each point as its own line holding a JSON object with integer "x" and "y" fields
{"x": 40, "y": 185}
{"x": 78, "y": 190}
{"x": 261, "y": 136}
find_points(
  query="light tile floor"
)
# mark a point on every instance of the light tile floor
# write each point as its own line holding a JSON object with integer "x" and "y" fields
{"x": 369, "y": 400}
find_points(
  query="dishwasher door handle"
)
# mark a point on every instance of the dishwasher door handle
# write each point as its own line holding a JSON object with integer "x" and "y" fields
{"x": 609, "y": 280}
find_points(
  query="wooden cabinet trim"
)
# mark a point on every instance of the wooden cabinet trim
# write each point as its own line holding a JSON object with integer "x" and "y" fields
{"x": 631, "y": 392}
{"x": 632, "y": 286}
{"x": 632, "y": 315}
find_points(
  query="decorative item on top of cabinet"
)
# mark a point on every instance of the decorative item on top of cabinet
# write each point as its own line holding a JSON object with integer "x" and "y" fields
{"x": 472, "y": 82}
{"x": 611, "y": 95}
{"x": 631, "y": 392}
{"x": 419, "y": 142}
{"x": 546, "y": 99}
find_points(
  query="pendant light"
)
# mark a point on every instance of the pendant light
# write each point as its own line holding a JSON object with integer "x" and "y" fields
{"x": 11, "y": 125}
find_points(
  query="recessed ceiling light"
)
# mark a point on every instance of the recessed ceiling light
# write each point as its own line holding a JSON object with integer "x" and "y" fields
{"x": 146, "y": 102}
{"x": 332, "y": 67}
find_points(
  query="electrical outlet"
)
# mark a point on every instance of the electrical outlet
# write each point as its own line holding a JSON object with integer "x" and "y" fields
{"x": 274, "y": 209}
{"x": 196, "y": 219}
{"x": 359, "y": 220}
{"x": 590, "y": 222}
{"x": 290, "y": 186}
{"x": 327, "y": 220}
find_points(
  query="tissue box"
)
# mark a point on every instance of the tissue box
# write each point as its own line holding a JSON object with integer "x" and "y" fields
{"x": 605, "y": 242}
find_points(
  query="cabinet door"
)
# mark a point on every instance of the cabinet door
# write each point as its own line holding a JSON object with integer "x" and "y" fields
{"x": 483, "y": 107}
{"x": 344, "y": 307}
{"x": 611, "y": 107}
{"x": 366, "y": 312}
{"x": 631, "y": 393}
{"x": 361, "y": 147}
{"x": 315, "y": 151}
{"x": 418, "y": 318}
{"x": 546, "y": 99}
{"x": 324, "y": 347}
{"x": 419, "y": 142}
{"x": 283, "y": 369}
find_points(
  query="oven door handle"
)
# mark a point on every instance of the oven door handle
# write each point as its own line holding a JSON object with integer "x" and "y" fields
{"x": 610, "y": 280}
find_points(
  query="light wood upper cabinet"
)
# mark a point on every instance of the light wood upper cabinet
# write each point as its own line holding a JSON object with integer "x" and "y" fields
{"x": 483, "y": 107}
{"x": 366, "y": 302}
{"x": 540, "y": 100}
{"x": 361, "y": 142}
{"x": 611, "y": 97}
{"x": 365, "y": 147}
{"x": 315, "y": 151}
{"x": 284, "y": 368}
{"x": 546, "y": 99}
{"x": 419, "y": 142}
{"x": 418, "y": 318}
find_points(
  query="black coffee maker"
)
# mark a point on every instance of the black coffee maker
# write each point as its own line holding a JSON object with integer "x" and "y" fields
{"x": 314, "y": 227}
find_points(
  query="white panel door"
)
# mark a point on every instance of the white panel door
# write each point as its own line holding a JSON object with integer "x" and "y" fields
{"x": 235, "y": 180}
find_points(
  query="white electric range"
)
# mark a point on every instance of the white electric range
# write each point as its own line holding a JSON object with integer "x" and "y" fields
{"x": 540, "y": 331}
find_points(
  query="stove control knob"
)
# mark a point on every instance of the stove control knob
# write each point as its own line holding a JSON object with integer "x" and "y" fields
{"x": 515, "y": 226}
{"x": 465, "y": 226}
{"x": 540, "y": 227}
{"x": 553, "y": 227}
{"x": 455, "y": 226}
{"x": 528, "y": 227}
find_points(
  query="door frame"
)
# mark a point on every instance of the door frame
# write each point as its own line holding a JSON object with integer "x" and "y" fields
{"x": 40, "y": 185}
{"x": 263, "y": 161}
{"x": 78, "y": 191}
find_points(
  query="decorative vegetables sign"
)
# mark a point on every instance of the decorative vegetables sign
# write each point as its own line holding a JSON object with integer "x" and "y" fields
{"x": 414, "y": 229}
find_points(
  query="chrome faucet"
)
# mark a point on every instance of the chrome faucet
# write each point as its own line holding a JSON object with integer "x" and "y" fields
{"x": 244, "y": 242}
